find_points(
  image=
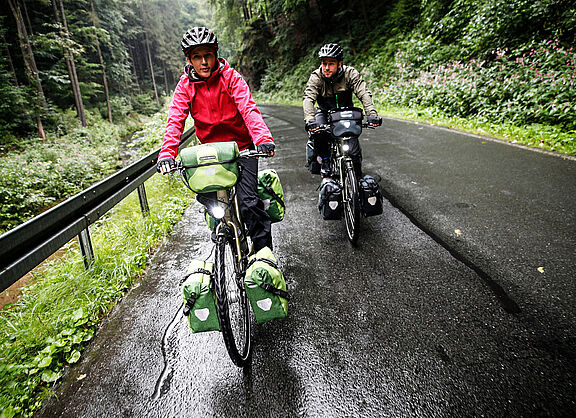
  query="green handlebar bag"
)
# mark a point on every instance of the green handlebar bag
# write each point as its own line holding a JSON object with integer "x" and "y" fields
{"x": 210, "y": 167}
{"x": 271, "y": 194}
{"x": 199, "y": 299}
{"x": 266, "y": 287}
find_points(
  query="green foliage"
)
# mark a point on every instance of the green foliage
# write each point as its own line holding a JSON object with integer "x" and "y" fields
{"x": 57, "y": 316}
{"x": 292, "y": 84}
{"x": 107, "y": 38}
{"x": 119, "y": 106}
{"x": 44, "y": 173}
{"x": 506, "y": 65}
{"x": 145, "y": 104}
{"x": 529, "y": 86}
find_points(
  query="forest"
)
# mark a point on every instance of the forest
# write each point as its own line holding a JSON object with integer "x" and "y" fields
{"x": 78, "y": 76}
{"x": 107, "y": 57}
{"x": 83, "y": 83}
{"x": 510, "y": 63}
{"x": 77, "y": 79}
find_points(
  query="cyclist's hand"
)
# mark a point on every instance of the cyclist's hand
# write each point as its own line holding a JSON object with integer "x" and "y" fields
{"x": 312, "y": 126}
{"x": 267, "y": 148}
{"x": 374, "y": 120}
{"x": 166, "y": 165}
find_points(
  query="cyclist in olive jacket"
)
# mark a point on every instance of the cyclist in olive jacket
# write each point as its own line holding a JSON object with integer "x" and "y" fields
{"x": 331, "y": 87}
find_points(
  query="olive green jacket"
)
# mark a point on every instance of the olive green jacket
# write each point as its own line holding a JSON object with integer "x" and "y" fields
{"x": 336, "y": 92}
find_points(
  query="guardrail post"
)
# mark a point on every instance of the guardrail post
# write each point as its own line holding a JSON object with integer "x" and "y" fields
{"x": 143, "y": 200}
{"x": 86, "y": 247}
{"x": 24, "y": 247}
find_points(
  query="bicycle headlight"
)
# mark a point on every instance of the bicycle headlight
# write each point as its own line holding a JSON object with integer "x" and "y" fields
{"x": 217, "y": 211}
{"x": 345, "y": 147}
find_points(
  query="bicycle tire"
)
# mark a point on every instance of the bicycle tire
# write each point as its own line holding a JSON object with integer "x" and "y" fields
{"x": 232, "y": 303}
{"x": 351, "y": 201}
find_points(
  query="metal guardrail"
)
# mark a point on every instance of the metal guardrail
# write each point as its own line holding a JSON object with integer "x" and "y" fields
{"x": 27, "y": 245}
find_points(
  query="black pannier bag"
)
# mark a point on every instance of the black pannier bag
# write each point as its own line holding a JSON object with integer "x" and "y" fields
{"x": 346, "y": 122}
{"x": 330, "y": 200}
{"x": 370, "y": 196}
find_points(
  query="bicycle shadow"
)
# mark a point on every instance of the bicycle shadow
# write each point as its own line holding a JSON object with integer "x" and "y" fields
{"x": 270, "y": 385}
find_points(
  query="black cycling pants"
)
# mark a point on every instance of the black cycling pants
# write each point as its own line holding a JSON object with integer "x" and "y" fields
{"x": 251, "y": 208}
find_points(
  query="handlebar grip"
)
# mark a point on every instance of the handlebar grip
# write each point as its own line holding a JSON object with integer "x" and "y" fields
{"x": 252, "y": 154}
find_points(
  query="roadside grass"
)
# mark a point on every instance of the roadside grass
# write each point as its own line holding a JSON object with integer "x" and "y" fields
{"x": 537, "y": 136}
{"x": 547, "y": 137}
{"x": 57, "y": 316}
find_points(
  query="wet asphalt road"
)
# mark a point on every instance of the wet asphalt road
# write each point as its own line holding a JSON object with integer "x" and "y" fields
{"x": 409, "y": 323}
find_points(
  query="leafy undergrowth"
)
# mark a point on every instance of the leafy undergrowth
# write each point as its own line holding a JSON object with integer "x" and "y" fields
{"x": 50, "y": 325}
{"x": 539, "y": 136}
{"x": 526, "y": 95}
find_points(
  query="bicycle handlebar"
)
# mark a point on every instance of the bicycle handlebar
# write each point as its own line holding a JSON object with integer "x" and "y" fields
{"x": 326, "y": 127}
{"x": 248, "y": 153}
{"x": 243, "y": 154}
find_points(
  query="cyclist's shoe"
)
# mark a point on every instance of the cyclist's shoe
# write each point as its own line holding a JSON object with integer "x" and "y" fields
{"x": 325, "y": 170}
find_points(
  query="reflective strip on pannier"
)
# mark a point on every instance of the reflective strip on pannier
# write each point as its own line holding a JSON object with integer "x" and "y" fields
{"x": 330, "y": 200}
{"x": 266, "y": 287}
{"x": 271, "y": 193}
{"x": 370, "y": 196}
{"x": 353, "y": 113}
{"x": 210, "y": 167}
{"x": 199, "y": 299}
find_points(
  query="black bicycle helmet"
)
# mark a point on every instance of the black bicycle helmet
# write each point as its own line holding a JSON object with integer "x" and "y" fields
{"x": 198, "y": 36}
{"x": 331, "y": 51}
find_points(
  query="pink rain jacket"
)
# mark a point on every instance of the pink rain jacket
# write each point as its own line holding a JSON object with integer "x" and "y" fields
{"x": 223, "y": 110}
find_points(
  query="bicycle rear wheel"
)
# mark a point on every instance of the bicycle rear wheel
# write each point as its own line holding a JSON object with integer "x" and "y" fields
{"x": 351, "y": 202}
{"x": 232, "y": 302}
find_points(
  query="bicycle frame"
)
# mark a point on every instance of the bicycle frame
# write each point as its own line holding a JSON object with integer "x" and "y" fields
{"x": 346, "y": 125}
{"x": 339, "y": 157}
{"x": 230, "y": 265}
{"x": 231, "y": 219}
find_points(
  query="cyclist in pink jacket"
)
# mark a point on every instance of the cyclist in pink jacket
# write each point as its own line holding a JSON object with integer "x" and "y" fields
{"x": 220, "y": 102}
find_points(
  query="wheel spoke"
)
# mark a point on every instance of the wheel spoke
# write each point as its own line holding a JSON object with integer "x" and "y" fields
{"x": 233, "y": 310}
{"x": 351, "y": 204}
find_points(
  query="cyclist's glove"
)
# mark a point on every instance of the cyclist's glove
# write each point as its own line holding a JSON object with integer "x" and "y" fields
{"x": 266, "y": 148}
{"x": 165, "y": 165}
{"x": 374, "y": 120}
{"x": 312, "y": 126}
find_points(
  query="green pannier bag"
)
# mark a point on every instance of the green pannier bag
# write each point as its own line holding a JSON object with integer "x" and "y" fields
{"x": 271, "y": 193}
{"x": 199, "y": 299}
{"x": 210, "y": 167}
{"x": 266, "y": 287}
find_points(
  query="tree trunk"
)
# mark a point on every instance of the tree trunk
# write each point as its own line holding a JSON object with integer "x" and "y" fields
{"x": 131, "y": 51}
{"x": 30, "y": 63}
{"x": 165, "y": 79}
{"x": 364, "y": 14}
{"x": 66, "y": 55}
{"x": 73, "y": 74}
{"x": 27, "y": 17}
{"x": 95, "y": 23}
{"x": 151, "y": 68}
{"x": 10, "y": 62}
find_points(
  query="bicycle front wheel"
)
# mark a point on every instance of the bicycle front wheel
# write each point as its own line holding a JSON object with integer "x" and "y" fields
{"x": 351, "y": 201}
{"x": 232, "y": 302}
